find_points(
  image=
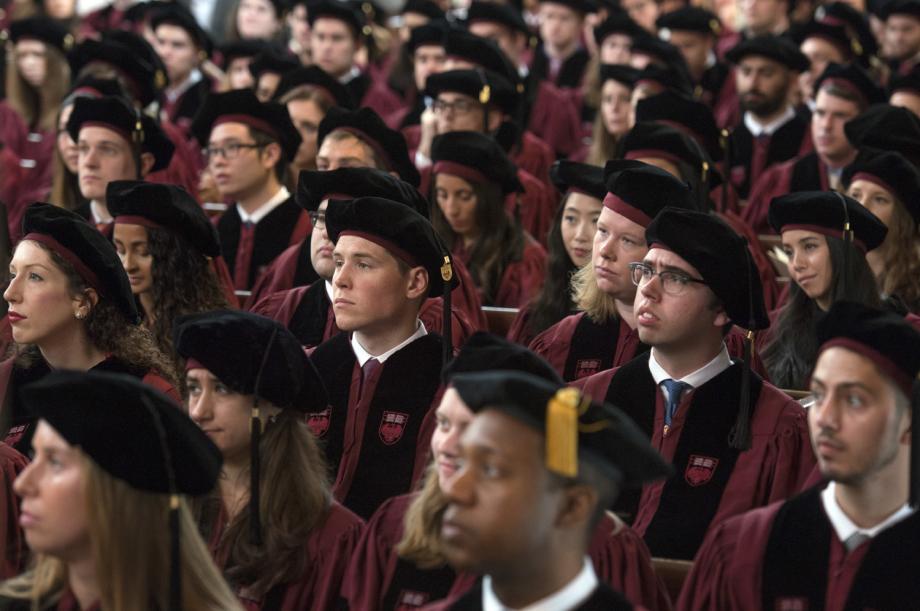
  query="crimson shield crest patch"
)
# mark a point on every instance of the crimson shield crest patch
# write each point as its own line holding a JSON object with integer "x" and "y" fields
{"x": 700, "y": 469}
{"x": 392, "y": 425}
{"x": 319, "y": 421}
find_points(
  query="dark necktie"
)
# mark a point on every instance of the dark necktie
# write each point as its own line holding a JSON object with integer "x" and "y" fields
{"x": 244, "y": 256}
{"x": 367, "y": 370}
{"x": 675, "y": 389}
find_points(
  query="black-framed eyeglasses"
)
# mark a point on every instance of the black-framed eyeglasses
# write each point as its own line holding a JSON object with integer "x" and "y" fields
{"x": 672, "y": 282}
{"x": 229, "y": 151}
{"x": 318, "y": 219}
{"x": 459, "y": 106}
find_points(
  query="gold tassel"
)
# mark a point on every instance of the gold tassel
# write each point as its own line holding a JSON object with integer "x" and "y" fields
{"x": 562, "y": 432}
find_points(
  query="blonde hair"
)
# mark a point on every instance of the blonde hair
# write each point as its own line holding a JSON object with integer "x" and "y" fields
{"x": 39, "y": 107}
{"x": 421, "y": 541}
{"x": 598, "y": 305}
{"x": 130, "y": 547}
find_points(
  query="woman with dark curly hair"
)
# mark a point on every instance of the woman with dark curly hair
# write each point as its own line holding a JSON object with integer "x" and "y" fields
{"x": 271, "y": 522}
{"x": 889, "y": 186}
{"x": 471, "y": 177}
{"x": 168, "y": 249}
{"x": 70, "y": 307}
{"x": 570, "y": 242}
{"x": 827, "y": 264}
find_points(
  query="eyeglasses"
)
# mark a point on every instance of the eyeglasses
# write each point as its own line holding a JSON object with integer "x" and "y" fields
{"x": 228, "y": 151}
{"x": 318, "y": 219}
{"x": 673, "y": 283}
{"x": 460, "y": 106}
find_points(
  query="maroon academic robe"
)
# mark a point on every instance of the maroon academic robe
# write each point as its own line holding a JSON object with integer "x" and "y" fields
{"x": 327, "y": 550}
{"x": 788, "y": 556}
{"x": 554, "y": 118}
{"x": 765, "y": 268}
{"x": 12, "y": 541}
{"x": 292, "y": 269}
{"x": 750, "y": 157}
{"x": 709, "y": 477}
{"x": 14, "y": 377}
{"x": 520, "y": 280}
{"x": 805, "y": 173}
{"x": 307, "y": 312}
{"x": 378, "y": 579}
{"x": 372, "y": 431}
{"x": 67, "y": 602}
{"x": 185, "y": 167}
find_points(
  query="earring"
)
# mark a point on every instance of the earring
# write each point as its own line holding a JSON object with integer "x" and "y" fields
{"x": 80, "y": 315}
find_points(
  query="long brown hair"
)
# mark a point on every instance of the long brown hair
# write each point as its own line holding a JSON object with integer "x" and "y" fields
{"x": 183, "y": 283}
{"x": 39, "y": 107}
{"x": 901, "y": 258}
{"x": 294, "y": 499}
{"x": 132, "y": 562}
{"x": 500, "y": 240}
{"x": 421, "y": 541}
{"x": 108, "y": 330}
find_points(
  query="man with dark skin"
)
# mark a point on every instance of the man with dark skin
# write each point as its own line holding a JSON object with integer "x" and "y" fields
{"x": 520, "y": 511}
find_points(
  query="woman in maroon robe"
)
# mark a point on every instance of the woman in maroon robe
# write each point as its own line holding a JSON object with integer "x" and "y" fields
{"x": 399, "y": 564}
{"x": 471, "y": 174}
{"x": 11, "y": 539}
{"x": 272, "y": 525}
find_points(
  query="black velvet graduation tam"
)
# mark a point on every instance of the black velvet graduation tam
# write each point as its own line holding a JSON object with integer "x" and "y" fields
{"x": 689, "y": 19}
{"x": 841, "y": 13}
{"x": 910, "y": 8}
{"x": 242, "y": 106}
{"x": 389, "y": 145}
{"x": 87, "y": 250}
{"x": 252, "y": 355}
{"x": 474, "y": 157}
{"x": 617, "y": 23}
{"x": 315, "y": 77}
{"x": 493, "y": 12}
{"x": 886, "y": 127}
{"x": 350, "y": 183}
{"x": 575, "y": 428}
{"x": 686, "y": 114}
{"x": 657, "y": 139}
{"x": 274, "y": 61}
{"x": 423, "y": 7}
{"x": 579, "y": 177}
{"x": 118, "y": 115}
{"x": 720, "y": 255}
{"x": 828, "y": 213}
{"x": 893, "y": 345}
{"x": 164, "y": 206}
{"x": 626, "y": 75}
{"x": 909, "y": 83}
{"x": 778, "y": 48}
{"x": 640, "y": 191}
{"x": 485, "y": 351}
{"x": 343, "y": 11}
{"x": 432, "y": 34}
{"x": 668, "y": 78}
{"x": 854, "y": 79}
{"x": 90, "y": 86}
{"x": 403, "y": 232}
{"x": 894, "y": 173}
{"x": 131, "y": 55}
{"x": 486, "y": 86}
{"x": 579, "y": 6}
{"x": 661, "y": 51}
{"x": 466, "y": 46}
{"x": 173, "y": 13}
{"x": 43, "y": 29}
{"x": 242, "y": 48}
{"x": 834, "y": 33}
{"x": 122, "y": 425}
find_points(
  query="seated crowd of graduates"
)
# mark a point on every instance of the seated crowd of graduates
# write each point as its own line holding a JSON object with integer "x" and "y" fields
{"x": 495, "y": 306}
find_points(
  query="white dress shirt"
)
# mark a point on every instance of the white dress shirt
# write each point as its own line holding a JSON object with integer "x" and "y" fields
{"x": 364, "y": 356}
{"x": 844, "y": 526}
{"x": 717, "y": 365}
{"x": 262, "y": 211}
{"x": 569, "y": 597}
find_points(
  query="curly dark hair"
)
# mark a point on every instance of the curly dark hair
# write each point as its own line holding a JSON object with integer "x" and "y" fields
{"x": 183, "y": 283}
{"x": 555, "y": 300}
{"x": 108, "y": 329}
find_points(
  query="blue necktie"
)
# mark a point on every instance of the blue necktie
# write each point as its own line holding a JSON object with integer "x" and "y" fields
{"x": 675, "y": 389}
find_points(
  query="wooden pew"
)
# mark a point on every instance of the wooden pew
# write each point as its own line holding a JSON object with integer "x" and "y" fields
{"x": 499, "y": 320}
{"x": 672, "y": 573}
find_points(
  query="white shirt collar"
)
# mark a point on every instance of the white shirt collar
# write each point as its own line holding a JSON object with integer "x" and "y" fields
{"x": 262, "y": 211}
{"x": 844, "y": 526}
{"x": 173, "y": 94}
{"x": 756, "y": 128}
{"x": 364, "y": 356}
{"x": 351, "y": 75}
{"x": 328, "y": 290}
{"x": 569, "y": 597}
{"x": 717, "y": 365}
{"x": 99, "y": 213}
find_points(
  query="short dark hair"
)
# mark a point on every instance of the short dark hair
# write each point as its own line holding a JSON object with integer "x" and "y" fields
{"x": 264, "y": 139}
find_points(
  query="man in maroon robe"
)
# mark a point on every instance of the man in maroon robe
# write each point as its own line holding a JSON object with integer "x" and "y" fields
{"x": 249, "y": 144}
{"x": 307, "y": 310}
{"x": 844, "y": 92}
{"x": 538, "y": 466}
{"x": 902, "y": 28}
{"x": 848, "y": 544}
{"x": 771, "y": 131}
{"x": 383, "y": 373}
{"x": 604, "y": 334}
{"x": 735, "y": 441}
{"x": 561, "y": 57}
